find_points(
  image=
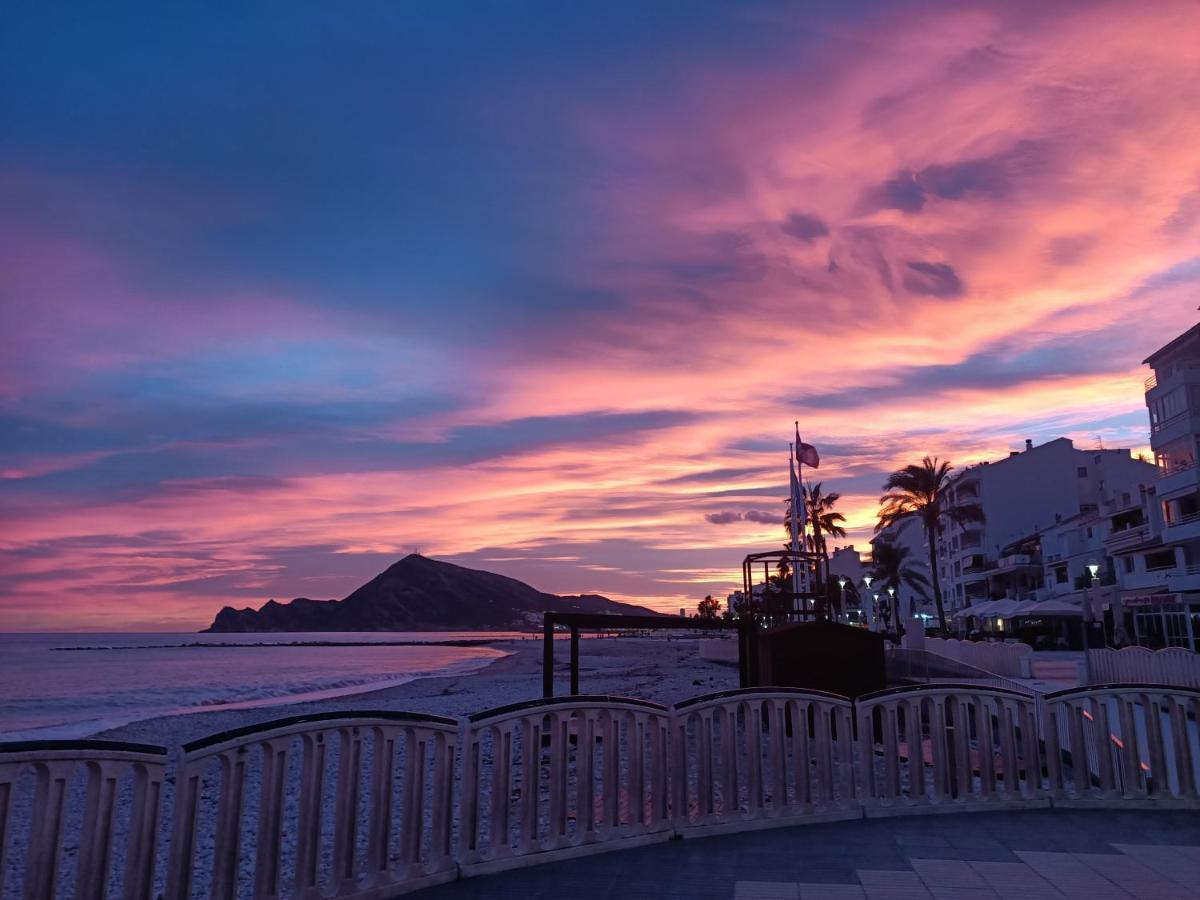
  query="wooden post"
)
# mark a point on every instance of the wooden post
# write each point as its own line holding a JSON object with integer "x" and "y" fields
{"x": 574, "y": 661}
{"x": 547, "y": 656}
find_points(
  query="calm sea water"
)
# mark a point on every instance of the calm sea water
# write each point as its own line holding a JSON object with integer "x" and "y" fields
{"x": 73, "y": 685}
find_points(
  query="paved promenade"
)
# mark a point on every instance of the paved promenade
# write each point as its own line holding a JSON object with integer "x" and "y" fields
{"x": 1027, "y": 855}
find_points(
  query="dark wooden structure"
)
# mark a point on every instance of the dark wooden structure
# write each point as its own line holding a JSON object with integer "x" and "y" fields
{"x": 747, "y": 647}
{"x": 823, "y": 656}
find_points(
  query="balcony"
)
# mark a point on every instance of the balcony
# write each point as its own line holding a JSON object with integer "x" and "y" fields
{"x": 1018, "y": 561}
{"x": 1129, "y": 537}
{"x": 1180, "y": 373}
{"x": 1184, "y": 528}
{"x": 1184, "y": 578}
{"x": 1177, "y": 480}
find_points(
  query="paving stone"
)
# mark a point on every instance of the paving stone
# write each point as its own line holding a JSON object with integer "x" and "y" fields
{"x": 1166, "y": 861}
{"x": 962, "y": 893}
{"x": 1072, "y": 877}
{"x": 1016, "y": 881}
{"x": 766, "y": 890}
{"x": 1135, "y": 877}
{"x": 831, "y": 892}
{"x": 947, "y": 873}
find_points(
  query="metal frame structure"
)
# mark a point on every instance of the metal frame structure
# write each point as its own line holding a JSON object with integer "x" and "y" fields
{"x": 747, "y": 649}
{"x": 800, "y": 602}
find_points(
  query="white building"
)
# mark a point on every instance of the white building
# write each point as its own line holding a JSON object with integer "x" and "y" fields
{"x": 846, "y": 562}
{"x": 1030, "y": 493}
{"x": 1155, "y": 535}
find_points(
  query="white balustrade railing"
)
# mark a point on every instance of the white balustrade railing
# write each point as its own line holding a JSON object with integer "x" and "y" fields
{"x": 1009, "y": 659}
{"x": 1140, "y": 665}
{"x": 1123, "y": 744}
{"x": 372, "y": 805}
{"x": 949, "y": 746}
{"x": 75, "y": 837}
{"x": 347, "y": 805}
{"x": 554, "y": 776}
{"x": 757, "y": 755}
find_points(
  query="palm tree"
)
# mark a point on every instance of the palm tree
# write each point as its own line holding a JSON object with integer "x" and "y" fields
{"x": 894, "y": 568}
{"x": 824, "y": 522}
{"x": 920, "y": 492}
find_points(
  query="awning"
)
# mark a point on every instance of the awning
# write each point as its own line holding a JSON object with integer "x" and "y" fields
{"x": 990, "y": 609}
{"x": 1055, "y": 606}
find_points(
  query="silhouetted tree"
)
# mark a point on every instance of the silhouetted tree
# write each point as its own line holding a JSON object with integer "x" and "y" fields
{"x": 709, "y": 608}
{"x": 894, "y": 568}
{"x": 920, "y": 492}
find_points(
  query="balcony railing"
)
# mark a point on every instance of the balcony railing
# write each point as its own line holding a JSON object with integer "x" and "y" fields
{"x": 1015, "y": 560}
{"x": 1151, "y": 382}
{"x": 1127, "y": 536}
{"x": 1184, "y": 520}
{"x": 1167, "y": 423}
{"x": 1167, "y": 471}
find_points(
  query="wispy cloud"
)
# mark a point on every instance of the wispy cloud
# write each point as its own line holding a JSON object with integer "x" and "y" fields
{"x": 558, "y": 326}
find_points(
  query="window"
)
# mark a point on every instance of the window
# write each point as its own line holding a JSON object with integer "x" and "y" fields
{"x": 1081, "y": 471}
{"x": 1060, "y": 574}
{"x": 1089, "y": 531}
{"x": 1175, "y": 456}
{"x": 1128, "y": 563}
{"x": 1167, "y": 407}
{"x": 1161, "y": 559}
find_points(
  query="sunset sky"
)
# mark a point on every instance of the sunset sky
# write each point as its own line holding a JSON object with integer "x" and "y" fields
{"x": 540, "y": 287}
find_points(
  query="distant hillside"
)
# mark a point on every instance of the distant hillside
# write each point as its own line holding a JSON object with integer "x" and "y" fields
{"x": 420, "y": 594}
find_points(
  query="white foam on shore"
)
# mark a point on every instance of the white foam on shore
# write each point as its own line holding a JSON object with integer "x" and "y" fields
{"x": 85, "y": 728}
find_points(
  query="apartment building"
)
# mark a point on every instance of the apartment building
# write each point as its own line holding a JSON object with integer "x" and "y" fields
{"x": 1028, "y": 497}
{"x": 1155, "y": 538}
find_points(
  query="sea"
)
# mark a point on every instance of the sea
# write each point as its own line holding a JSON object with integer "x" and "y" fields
{"x": 71, "y": 685}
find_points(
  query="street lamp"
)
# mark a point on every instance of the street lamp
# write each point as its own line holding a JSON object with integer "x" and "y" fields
{"x": 1093, "y": 569}
{"x": 895, "y": 612}
{"x": 870, "y": 613}
{"x": 842, "y": 585}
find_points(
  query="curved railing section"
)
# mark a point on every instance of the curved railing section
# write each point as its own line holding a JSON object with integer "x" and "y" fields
{"x": 762, "y": 756}
{"x": 345, "y": 804}
{"x": 69, "y": 792}
{"x": 1124, "y": 744}
{"x": 1139, "y": 665}
{"x": 948, "y": 747}
{"x": 555, "y": 776}
{"x": 370, "y": 805}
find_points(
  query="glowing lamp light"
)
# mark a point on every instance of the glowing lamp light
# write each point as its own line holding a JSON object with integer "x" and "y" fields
{"x": 867, "y": 579}
{"x": 842, "y": 582}
{"x": 1094, "y": 568}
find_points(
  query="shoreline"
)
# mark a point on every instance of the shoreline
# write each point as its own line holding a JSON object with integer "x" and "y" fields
{"x": 658, "y": 669}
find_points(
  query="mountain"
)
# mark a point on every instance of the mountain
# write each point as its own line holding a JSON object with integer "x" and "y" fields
{"x": 420, "y": 594}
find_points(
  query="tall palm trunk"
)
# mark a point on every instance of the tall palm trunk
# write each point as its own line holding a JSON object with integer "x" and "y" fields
{"x": 931, "y": 537}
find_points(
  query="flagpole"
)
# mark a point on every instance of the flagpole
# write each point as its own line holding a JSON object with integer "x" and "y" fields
{"x": 803, "y": 521}
{"x": 797, "y": 498}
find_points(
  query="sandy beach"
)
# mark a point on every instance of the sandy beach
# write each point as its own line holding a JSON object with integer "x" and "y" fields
{"x": 659, "y": 669}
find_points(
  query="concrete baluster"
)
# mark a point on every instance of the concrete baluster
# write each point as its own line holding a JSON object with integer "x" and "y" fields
{"x": 379, "y": 822}
{"x": 143, "y": 830}
{"x": 95, "y": 841}
{"x": 308, "y": 826}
